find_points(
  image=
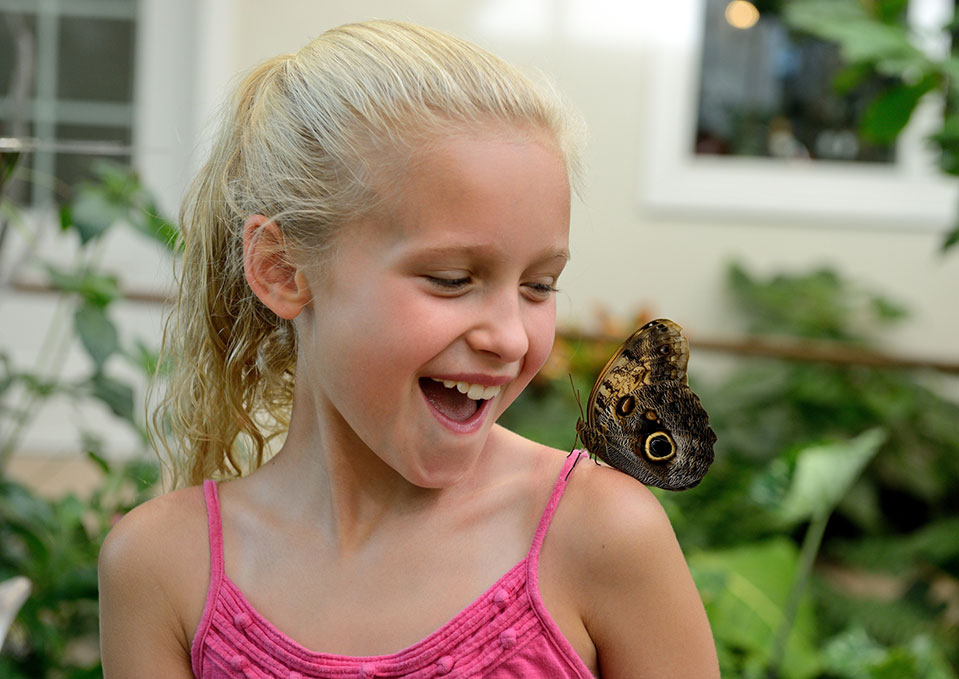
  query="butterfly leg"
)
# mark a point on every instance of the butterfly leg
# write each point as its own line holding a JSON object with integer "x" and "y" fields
{"x": 574, "y": 465}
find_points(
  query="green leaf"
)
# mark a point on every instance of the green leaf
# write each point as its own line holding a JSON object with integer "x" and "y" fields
{"x": 950, "y": 239}
{"x": 120, "y": 181}
{"x": 93, "y": 214}
{"x": 97, "y": 333}
{"x": 888, "y": 310}
{"x": 814, "y": 16}
{"x": 96, "y": 289}
{"x": 891, "y": 11}
{"x": 860, "y": 36}
{"x": 143, "y": 473}
{"x": 98, "y": 459}
{"x": 8, "y": 163}
{"x": 931, "y": 660}
{"x": 144, "y": 358}
{"x": 899, "y": 663}
{"x": 890, "y": 112}
{"x": 950, "y": 69}
{"x": 118, "y": 396}
{"x": 949, "y": 132}
{"x": 744, "y": 590}
{"x": 825, "y": 473}
{"x": 851, "y": 77}
{"x": 159, "y": 229}
{"x": 66, "y": 217}
{"x": 850, "y": 654}
{"x": 8, "y": 376}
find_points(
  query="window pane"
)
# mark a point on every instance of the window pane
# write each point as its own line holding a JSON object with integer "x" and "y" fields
{"x": 95, "y": 59}
{"x": 10, "y": 25}
{"x": 74, "y": 167}
{"x": 764, "y": 91}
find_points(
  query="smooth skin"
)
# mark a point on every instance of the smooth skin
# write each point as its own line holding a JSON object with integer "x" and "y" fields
{"x": 378, "y": 521}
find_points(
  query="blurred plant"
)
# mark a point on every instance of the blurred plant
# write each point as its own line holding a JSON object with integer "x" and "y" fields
{"x": 54, "y": 543}
{"x": 825, "y": 538}
{"x": 875, "y": 37}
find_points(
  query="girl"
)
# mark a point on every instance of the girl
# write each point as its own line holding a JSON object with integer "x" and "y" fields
{"x": 372, "y": 253}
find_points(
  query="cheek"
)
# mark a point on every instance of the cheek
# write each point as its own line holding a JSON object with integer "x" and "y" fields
{"x": 541, "y": 330}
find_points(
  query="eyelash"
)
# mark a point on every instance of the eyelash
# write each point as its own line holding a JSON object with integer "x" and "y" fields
{"x": 541, "y": 290}
{"x": 449, "y": 283}
{"x": 544, "y": 289}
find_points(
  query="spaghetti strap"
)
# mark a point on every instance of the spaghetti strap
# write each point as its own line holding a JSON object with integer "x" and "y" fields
{"x": 554, "y": 498}
{"x": 215, "y": 529}
{"x": 211, "y": 493}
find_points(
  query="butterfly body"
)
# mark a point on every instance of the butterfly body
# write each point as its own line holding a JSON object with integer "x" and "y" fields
{"x": 642, "y": 418}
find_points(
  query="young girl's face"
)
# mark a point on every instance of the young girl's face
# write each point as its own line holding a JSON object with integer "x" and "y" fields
{"x": 449, "y": 289}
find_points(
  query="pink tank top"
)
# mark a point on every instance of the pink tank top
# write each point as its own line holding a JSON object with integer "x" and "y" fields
{"x": 505, "y": 633}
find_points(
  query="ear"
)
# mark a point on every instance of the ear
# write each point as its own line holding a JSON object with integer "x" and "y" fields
{"x": 278, "y": 282}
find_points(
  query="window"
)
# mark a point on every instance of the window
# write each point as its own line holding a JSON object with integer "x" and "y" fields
{"x": 66, "y": 86}
{"x": 849, "y": 183}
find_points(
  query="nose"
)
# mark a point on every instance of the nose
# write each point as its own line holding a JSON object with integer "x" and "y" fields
{"x": 500, "y": 328}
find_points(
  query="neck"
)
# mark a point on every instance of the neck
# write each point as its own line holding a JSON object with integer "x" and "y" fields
{"x": 324, "y": 475}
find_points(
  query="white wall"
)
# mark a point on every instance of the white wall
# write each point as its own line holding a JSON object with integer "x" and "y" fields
{"x": 625, "y": 256}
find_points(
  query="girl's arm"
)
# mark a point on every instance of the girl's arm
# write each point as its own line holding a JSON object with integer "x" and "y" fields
{"x": 141, "y": 622}
{"x": 639, "y": 603}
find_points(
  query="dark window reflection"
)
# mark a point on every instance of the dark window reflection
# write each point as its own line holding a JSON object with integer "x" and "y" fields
{"x": 95, "y": 59}
{"x": 766, "y": 92}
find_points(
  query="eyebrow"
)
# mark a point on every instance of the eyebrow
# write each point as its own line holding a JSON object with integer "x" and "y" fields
{"x": 484, "y": 250}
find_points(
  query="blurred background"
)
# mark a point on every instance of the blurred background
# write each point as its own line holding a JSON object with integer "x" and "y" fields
{"x": 777, "y": 177}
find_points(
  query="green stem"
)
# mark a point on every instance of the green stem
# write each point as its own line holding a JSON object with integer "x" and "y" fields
{"x": 807, "y": 559}
{"x": 55, "y": 346}
{"x": 50, "y": 360}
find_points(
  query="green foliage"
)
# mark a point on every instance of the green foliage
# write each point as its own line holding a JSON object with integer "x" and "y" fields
{"x": 745, "y": 590}
{"x": 818, "y": 305}
{"x": 54, "y": 543}
{"x": 116, "y": 197}
{"x": 824, "y": 474}
{"x": 825, "y": 538}
{"x": 875, "y": 37}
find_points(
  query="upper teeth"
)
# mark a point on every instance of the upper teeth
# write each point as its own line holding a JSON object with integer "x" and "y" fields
{"x": 476, "y": 392}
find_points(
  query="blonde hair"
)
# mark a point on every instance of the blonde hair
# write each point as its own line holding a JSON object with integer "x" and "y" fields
{"x": 303, "y": 142}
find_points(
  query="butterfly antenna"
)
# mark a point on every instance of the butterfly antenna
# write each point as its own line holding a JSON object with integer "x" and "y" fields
{"x": 576, "y": 394}
{"x": 582, "y": 416}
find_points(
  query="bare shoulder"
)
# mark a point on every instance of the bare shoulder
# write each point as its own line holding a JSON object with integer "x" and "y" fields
{"x": 618, "y": 546}
{"x": 153, "y": 573}
{"x": 148, "y": 536}
{"x": 614, "y": 513}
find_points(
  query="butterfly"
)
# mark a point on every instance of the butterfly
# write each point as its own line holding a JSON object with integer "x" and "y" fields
{"x": 642, "y": 418}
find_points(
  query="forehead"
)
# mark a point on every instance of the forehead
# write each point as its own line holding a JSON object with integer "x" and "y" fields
{"x": 485, "y": 182}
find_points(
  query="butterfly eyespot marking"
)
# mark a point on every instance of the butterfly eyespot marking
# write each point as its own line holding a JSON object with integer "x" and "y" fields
{"x": 659, "y": 447}
{"x": 651, "y": 415}
{"x": 625, "y": 405}
{"x": 665, "y": 350}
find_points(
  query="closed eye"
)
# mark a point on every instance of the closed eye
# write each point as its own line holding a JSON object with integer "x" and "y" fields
{"x": 540, "y": 291}
{"x": 449, "y": 284}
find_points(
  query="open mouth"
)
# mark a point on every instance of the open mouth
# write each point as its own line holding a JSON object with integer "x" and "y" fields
{"x": 456, "y": 401}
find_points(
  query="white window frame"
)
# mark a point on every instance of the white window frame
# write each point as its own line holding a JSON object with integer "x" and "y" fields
{"x": 675, "y": 182}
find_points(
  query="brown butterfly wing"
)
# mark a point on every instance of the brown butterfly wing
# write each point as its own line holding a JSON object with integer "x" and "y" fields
{"x": 642, "y": 417}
